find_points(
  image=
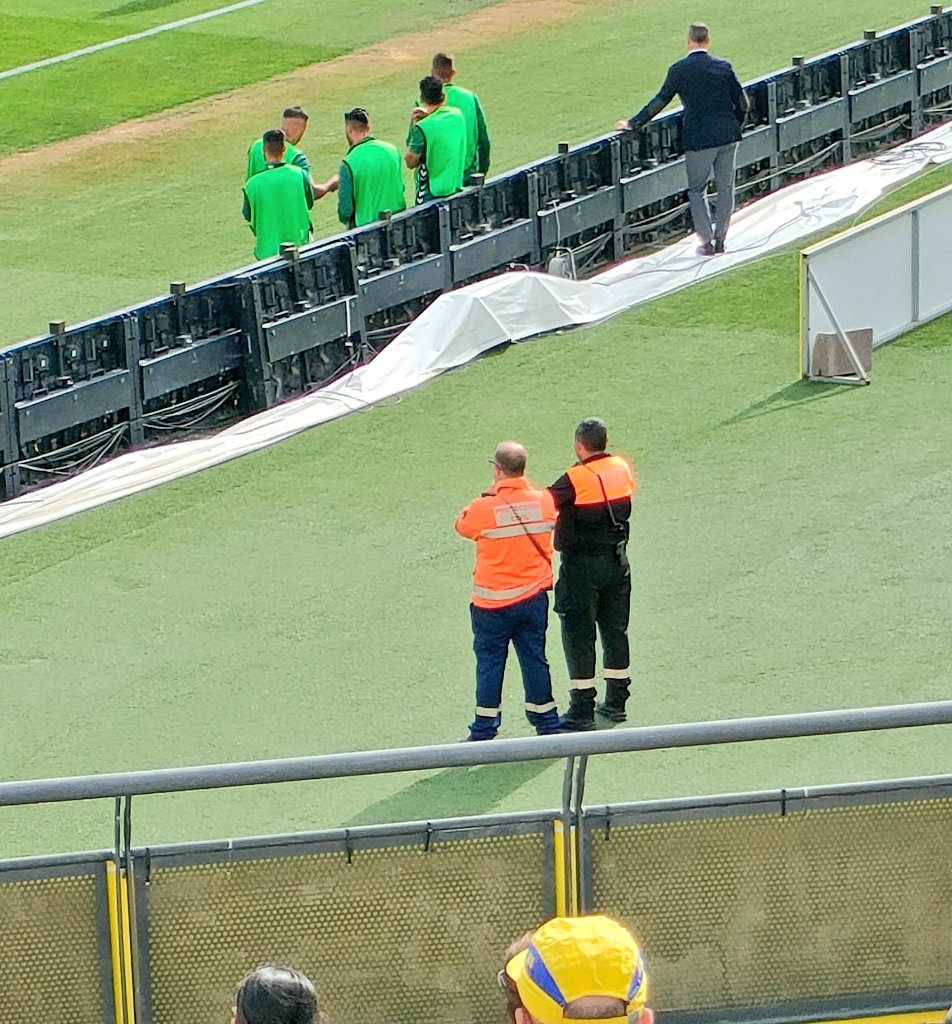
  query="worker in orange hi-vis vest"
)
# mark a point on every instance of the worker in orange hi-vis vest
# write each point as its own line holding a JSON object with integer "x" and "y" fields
{"x": 594, "y": 588}
{"x": 512, "y": 525}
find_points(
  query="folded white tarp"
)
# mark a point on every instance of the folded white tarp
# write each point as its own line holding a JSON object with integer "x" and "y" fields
{"x": 463, "y": 324}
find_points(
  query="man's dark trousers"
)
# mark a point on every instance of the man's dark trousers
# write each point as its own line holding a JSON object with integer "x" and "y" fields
{"x": 524, "y": 625}
{"x": 699, "y": 163}
{"x": 594, "y": 590}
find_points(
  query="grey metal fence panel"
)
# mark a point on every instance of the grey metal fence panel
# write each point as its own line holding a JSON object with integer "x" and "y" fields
{"x": 776, "y": 905}
{"x": 55, "y": 954}
{"x": 391, "y": 922}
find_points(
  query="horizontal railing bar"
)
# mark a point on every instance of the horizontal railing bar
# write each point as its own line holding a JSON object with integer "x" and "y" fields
{"x": 459, "y": 755}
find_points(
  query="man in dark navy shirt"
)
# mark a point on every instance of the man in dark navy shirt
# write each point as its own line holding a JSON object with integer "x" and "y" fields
{"x": 714, "y": 109}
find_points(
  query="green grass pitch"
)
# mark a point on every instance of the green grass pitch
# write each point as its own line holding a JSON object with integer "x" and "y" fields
{"x": 789, "y": 542}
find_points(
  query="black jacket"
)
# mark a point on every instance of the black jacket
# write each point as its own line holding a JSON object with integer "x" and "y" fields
{"x": 714, "y": 102}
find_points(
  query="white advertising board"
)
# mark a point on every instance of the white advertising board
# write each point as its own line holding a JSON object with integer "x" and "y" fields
{"x": 886, "y": 276}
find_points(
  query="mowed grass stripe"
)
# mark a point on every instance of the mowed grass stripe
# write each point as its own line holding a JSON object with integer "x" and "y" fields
{"x": 33, "y": 31}
{"x": 63, "y": 58}
{"x": 159, "y": 199}
{"x": 188, "y": 62}
{"x": 789, "y": 550}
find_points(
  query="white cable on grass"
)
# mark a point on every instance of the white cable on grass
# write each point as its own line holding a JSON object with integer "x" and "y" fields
{"x": 109, "y": 43}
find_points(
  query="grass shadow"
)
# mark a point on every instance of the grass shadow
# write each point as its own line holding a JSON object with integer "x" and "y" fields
{"x": 453, "y": 793}
{"x": 137, "y": 7}
{"x": 792, "y": 395}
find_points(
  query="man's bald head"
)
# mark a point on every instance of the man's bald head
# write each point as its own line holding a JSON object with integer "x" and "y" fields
{"x": 511, "y": 458}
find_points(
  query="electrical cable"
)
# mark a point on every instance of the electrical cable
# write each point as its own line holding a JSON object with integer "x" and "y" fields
{"x": 197, "y": 410}
{"x": 94, "y": 449}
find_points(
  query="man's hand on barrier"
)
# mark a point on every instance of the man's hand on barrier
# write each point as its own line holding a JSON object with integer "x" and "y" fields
{"x": 623, "y": 125}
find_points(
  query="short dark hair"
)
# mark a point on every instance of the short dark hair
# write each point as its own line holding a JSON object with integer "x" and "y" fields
{"x": 443, "y": 64}
{"x": 295, "y": 112}
{"x": 593, "y": 434}
{"x": 431, "y": 91}
{"x": 358, "y": 116}
{"x": 276, "y": 995}
{"x": 273, "y": 140}
{"x": 698, "y": 33}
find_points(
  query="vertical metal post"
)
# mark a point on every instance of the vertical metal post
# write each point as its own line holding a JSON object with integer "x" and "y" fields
{"x": 847, "y": 107}
{"x": 133, "y": 357}
{"x": 568, "y": 827}
{"x": 772, "y": 114}
{"x": 532, "y": 205}
{"x": 9, "y": 435}
{"x": 581, "y": 867}
{"x": 914, "y": 304}
{"x": 618, "y": 222}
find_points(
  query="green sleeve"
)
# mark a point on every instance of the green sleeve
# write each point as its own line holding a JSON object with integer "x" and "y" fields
{"x": 300, "y": 160}
{"x": 482, "y": 140}
{"x": 246, "y": 208}
{"x": 346, "y": 207}
{"x": 308, "y": 191}
{"x": 416, "y": 140}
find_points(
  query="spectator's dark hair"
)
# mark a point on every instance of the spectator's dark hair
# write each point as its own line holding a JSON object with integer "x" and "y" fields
{"x": 273, "y": 140}
{"x": 431, "y": 91}
{"x": 295, "y": 112}
{"x": 593, "y": 434}
{"x": 443, "y": 65}
{"x": 358, "y": 116}
{"x": 276, "y": 995}
{"x": 513, "y": 999}
{"x": 698, "y": 33}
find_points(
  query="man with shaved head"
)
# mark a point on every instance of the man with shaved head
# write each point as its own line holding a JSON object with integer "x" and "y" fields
{"x": 512, "y": 524}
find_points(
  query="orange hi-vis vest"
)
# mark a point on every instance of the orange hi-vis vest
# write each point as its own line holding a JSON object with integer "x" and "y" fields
{"x": 512, "y": 525}
{"x": 602, "y": 481}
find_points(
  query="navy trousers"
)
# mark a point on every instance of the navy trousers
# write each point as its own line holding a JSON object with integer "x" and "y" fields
{"x": 523, "y": 625}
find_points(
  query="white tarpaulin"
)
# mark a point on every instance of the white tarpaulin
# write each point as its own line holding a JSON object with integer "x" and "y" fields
{"x": 463, "y": 324}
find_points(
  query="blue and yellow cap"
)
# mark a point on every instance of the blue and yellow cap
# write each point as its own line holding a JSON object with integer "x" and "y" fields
{"x": 572, "y": 957}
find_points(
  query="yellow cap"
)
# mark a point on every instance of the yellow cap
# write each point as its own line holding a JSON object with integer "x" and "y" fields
{"x": 572, "y": 957}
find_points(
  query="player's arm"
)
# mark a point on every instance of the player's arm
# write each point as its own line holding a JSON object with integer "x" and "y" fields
{"x": 346, "y": 203}
{"x": 416, "y": 147}
{"x": 321, "y": 189}
{"x": 653, "y": 107}
{"x": 246, "y": 209}
{"x": 483, "y": 144}
{"x": 563, "y": 492}
{"x": 308, "y": 191}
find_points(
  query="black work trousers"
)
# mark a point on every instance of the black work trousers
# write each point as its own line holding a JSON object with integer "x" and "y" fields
{"x": 594, "y": 590}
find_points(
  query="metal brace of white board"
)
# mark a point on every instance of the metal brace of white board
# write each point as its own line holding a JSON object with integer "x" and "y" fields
{"x": 862, "y": 377}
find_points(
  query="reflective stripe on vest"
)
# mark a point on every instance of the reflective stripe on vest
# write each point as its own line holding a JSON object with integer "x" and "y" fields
{"x": 519, "y": 530}
{"x": 615, "y": 474}
{"x": 513, "y": 593}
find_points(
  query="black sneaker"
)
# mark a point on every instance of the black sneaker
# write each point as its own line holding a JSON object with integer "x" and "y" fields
{"x": 707, "y": 249}
{"x": 719, "y": 249}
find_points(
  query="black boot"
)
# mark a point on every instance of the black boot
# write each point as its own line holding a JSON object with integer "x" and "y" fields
{"x": 580, "y": 716}
{"x": 616, "y": 696}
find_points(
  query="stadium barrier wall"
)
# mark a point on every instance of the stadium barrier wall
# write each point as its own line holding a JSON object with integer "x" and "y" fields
{"x": 885, "y": 277}
{"x": 221, "y": 349}
{"x": 751, "y": 907}
{"x": 58, "y": 940}
{"x": 795, "y": 904}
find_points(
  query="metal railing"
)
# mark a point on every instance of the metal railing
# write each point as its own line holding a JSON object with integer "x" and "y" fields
{"x": 158, "y": 934}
